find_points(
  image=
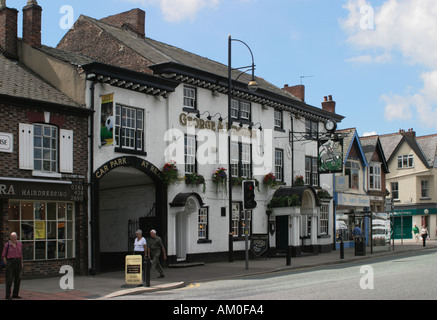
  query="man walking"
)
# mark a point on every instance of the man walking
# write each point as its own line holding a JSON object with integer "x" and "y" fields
{"x": 155, "y": 248}
{"x": 13, "y": 259}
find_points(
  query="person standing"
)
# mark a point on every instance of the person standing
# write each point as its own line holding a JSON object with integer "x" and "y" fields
{"x": 155, "y": 249}
{"x": 416, "y": 233}
{"x": 12, "y": 256}
{"x": 424, "y": 234}
{"x": 140, "y": 244}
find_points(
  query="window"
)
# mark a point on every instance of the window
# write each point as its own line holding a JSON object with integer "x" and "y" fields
{"x": 324, "y": 214}
{"x": 279, "y": 165}
{"x": 353, "y": 171}
{"x": 311, "y": 171}
{"x": 278, "y": 119}
{"x": 238, "y": 226}
{"x": 45, "y": 145}
{"x": 190, "y": 154}
{"x": 202, "y": 231}
{"x": 129, "y": 128}
{"x": 375, "y": 177}
{"x": 406, "y": 161}
{"x": 240, "y": 110}
{"x": 395, "y": 190}
{"x": 311, "y": 129}
{"x": 46, "y": 229}
{"x": 45, "y": 149}
{"x": 241, "y": 160}
{"x": 189, "y": 97}
{"x": 424, "y": 188}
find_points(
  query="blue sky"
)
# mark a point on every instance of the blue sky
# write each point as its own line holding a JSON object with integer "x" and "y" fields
{"x": 374, "y": 56}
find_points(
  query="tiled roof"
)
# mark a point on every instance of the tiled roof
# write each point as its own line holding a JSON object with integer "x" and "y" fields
{"x": 16, "y": 81}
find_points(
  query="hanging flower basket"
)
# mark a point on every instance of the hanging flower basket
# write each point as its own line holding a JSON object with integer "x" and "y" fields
{"x": 170, "y": 173}
{"x": 270, "y": 180}
{"x": 220, "y": 178}
{"x": 299, "y": 181}
{"x": 195, "y": 179}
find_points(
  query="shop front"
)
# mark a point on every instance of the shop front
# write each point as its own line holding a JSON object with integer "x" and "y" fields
{"x": 48, "y": 219}
{"x": 405, "y": 219}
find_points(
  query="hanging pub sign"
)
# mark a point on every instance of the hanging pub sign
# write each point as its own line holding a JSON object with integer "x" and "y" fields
{"x": 330, "y": 157}
{"x": 107, "y": 120}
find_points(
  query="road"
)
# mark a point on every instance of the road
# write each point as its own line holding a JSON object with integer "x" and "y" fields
{"x": 412, "y": 276}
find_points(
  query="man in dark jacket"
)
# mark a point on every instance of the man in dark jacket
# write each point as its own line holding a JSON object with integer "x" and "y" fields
{"x": 155, "y": 248}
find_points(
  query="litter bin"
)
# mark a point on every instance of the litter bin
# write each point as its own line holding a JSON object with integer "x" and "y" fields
{"x": 360, "y": 246}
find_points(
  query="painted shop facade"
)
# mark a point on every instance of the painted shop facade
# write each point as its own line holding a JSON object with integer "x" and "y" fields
{"x": 155, "y": 128}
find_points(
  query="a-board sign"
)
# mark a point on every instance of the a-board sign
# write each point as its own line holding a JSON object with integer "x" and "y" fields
{"x": 134, "y": 269}
{"x": 259, "y": 244}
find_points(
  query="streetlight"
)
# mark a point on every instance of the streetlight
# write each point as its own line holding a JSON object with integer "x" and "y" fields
{"x": 252, "y": 86}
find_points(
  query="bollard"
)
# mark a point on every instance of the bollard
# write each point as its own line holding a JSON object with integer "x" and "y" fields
{"x": 342, "y": 249}
{"x": 288, "y": 259}
{"x": 147, "y": 266}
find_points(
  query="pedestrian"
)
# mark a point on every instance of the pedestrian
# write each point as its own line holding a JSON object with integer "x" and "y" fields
{"x": 416, "y": 233}
{"x": 155, "y": 249}
{"x": 356, "y": 232}
{"x": 424, "y": 234}
{"x": 140, "y": 244}
{"x": 12, "y": 256}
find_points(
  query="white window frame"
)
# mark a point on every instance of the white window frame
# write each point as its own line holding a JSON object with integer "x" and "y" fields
{"x": 324, "y": 219}
{"x": 394, "y": 190}
{"x": 189, "y": 97}
{"x": 279, "y": 165}
{"x": 278, "y": 119}
{"x": 190, "y": 154}
{"x": 375, "y": 176}
{"x": 424, "y": 187}
{"x": 354, "y": 168}
{"x": 129, "y": 120}
{"x": 406, "y": 161}
{"x": 202, "y": 231}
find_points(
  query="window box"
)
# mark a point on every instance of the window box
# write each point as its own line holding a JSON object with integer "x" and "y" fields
{"x": 195, "y": 179}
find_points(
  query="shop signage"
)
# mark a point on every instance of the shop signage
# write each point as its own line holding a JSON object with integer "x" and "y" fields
{"x": 353, "y": 200}
{"x": 133, "y": 272}
{"x": 6, "y": 142}
{"x": 330, "y": 159}
{"x": 189, "y": 121}
{"x": 259, "y": 244}
{"x": 41, "y": 191}
{"x": 134, "y": 162}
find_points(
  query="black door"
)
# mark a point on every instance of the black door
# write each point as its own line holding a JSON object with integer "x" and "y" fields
{"x": 282, "y": 233}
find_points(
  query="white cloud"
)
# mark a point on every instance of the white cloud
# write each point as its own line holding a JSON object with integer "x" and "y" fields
{"x": 407, "y": 27}
{"x": 370, "y": 134}
{"x": 178, "y": 10}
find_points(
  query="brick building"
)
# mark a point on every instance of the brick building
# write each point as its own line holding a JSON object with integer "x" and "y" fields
{"x": 44, "y": 158}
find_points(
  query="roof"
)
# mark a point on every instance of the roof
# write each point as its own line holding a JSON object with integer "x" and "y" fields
{"x": 162, "y": 54}
{"x": 428, "y": 145}
{"x": 370, "y": 145}
{"x": 18, "y": 82}
{"x": 349, "y": 139}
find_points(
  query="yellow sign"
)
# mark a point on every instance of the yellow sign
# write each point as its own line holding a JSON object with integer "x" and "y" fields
{"x": 134, "y": 269}
{"x": 40, "y": 230}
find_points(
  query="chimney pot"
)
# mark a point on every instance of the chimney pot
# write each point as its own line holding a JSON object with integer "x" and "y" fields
{"x": 8, "y": 30}
{"x": 32, "y": 14}
{"x": 328, "y": 104}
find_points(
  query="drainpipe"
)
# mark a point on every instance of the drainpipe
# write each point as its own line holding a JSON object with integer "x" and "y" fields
{"x": 91, "y": 213}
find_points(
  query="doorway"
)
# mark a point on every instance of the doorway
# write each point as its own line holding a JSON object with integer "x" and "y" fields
{"x": 282, "y": 233}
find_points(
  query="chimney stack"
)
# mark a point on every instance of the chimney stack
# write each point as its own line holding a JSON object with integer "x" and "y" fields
{"x": 328, "y": 104}
{"x": 133, "y": 20}
{"x": 8, "y": 30}
{"x": 297, "y": 91}
{"x": 32, "y": 14}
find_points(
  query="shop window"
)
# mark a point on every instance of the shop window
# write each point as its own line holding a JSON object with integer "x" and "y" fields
{"x": 46, "y": 229}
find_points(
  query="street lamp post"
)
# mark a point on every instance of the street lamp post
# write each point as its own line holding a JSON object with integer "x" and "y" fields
{"x": 252, "y": 86}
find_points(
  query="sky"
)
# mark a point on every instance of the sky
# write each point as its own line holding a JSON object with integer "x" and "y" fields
{"x": 375, "y": 57}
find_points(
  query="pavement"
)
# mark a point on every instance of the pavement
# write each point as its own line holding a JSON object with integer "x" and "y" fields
{"x": 109, "y": 285}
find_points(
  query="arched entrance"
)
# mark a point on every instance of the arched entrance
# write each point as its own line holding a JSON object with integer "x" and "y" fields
{"x": 125, "y": 189}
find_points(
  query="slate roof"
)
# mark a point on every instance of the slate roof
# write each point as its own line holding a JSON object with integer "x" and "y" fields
{"x": 18, "y": 82}
{"x": 159, "y": 53}
{"x": 371, "y": 144}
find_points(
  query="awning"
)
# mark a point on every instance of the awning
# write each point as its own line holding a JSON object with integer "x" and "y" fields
{"x": 181, "y": 199}
{"x": 299, "y": 191}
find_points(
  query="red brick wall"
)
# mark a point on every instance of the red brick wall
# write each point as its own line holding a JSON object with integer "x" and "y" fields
{"x": 10, "y": 117}
{"x": 8, "y": 32}
{"x": 32, "y": 25}
{"x": 86, "y": 38}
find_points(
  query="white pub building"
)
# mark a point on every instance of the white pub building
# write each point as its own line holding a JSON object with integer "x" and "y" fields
{"x": 158, "y": 108}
